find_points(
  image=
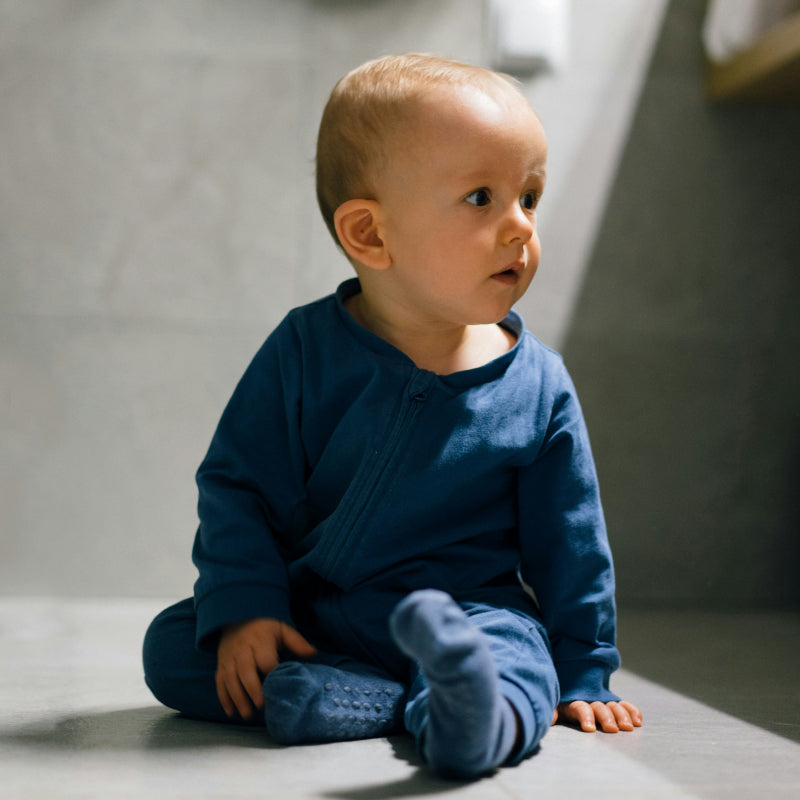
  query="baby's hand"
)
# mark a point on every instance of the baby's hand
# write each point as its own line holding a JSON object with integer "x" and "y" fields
{"x": 612, "y": 717}
{"x": 247, "y": 652}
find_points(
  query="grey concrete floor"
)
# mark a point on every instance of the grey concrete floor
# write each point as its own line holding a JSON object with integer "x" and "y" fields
{"x": 744, "y": 664}
{"x": 77, "y": 721}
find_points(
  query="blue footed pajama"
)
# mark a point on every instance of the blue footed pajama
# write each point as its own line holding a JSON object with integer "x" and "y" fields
{"x": 485, "y": 688}
{"x": 340, "y": 481}
{"x": 482, "y": 684}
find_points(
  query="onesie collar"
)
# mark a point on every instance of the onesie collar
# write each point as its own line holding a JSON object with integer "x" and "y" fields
{"x": 455, "y": 381}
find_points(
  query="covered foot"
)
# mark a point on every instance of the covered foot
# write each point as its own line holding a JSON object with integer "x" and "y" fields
{"x": 471, "y": 727}
{"x": 307, "y": 702}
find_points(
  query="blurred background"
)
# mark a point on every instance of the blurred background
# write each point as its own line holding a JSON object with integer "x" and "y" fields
{"x": 158, "y": 218}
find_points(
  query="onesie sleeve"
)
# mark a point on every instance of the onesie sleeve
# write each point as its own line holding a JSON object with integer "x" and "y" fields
{"x": 249, "y": 484}
{"x": 566, "y": 559}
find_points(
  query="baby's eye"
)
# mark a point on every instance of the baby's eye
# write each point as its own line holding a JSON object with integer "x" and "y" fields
{"x": 480, "y": 197}
{"x": 528, "y": 201}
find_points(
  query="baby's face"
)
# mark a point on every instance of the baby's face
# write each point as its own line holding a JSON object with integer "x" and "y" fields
{"x": 459, "y": 199}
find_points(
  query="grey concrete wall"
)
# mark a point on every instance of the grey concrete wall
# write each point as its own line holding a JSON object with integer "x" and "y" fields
{"x": 157, "y": 218}
{"x": 685, "y": 343}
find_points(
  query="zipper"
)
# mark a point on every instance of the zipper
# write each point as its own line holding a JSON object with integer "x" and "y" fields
{"x": 342, "y": 540}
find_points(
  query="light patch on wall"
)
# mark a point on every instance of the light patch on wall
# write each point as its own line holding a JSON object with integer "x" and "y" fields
{"x": 587, "y": 110}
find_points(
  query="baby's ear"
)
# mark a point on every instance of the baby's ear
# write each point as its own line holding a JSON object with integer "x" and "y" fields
{"x": 358, "y": 228}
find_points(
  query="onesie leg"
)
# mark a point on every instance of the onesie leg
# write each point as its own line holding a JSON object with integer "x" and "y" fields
{"x": 330, "y": 698}
{"x": 521, "y": 651}
{"x": 465, "y": 725}
{"x": 178, "y": 674}
{"x": 314, "y": 702}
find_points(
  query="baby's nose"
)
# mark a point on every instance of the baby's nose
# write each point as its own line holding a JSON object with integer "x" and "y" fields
{"x": 520, "y": 225}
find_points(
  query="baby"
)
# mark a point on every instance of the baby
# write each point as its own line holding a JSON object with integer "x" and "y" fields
{"x": 400, "y": 521}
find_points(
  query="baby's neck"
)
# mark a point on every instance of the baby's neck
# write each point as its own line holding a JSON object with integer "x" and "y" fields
{"x": 442, "y": 350}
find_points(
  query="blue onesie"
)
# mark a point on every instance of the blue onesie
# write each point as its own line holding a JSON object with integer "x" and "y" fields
{"x": 342, "y": 477}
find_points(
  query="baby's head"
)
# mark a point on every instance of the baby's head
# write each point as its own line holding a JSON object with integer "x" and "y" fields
{"x": 429, "y": 173}
{"x": 372, "y": 109}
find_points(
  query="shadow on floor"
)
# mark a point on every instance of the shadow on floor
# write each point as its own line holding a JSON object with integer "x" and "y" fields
{"x": 422, "y": 782}
{"x": 156, "y": 728}
{"x": 150, "y": 728}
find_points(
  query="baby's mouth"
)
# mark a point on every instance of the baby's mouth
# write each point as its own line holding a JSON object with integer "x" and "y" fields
{"x": 509, "y": 276}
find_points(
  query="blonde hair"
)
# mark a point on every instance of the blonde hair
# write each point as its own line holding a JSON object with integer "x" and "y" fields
{"x": 369, "y": 104}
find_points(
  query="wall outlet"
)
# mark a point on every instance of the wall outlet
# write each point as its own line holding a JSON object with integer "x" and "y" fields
{"x": 526, "y": 36}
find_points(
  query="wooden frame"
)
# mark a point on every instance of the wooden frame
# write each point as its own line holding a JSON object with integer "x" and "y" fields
{"x": 767, "y": 71}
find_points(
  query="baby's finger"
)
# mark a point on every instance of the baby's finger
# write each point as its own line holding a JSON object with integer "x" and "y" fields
{"x": 605, "y": 716}
{"x": 624, "y": 722}
{"x": 586, "y": 718}
{"x": 232, "y": 695}
{"x": 229, "y": 684}
{"x": 224, "y": 698}
{"x": 633, "y": 711}
{"x": 239, "y": 698}
{"x": 297, "y": 643}
{"x": 251, "y": 682}
{"x": 579, "y": 713}
{"x": 266, "y": 659}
